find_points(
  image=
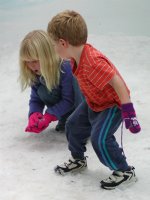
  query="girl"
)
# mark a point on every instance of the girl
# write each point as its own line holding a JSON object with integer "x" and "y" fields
{"x": 51, "y": 82}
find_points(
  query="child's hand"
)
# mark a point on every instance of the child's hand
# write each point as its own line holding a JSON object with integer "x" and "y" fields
{"x": 38, "y": 122}
{"x": 33, "y": 129}
{"x": 129, "y": 117}
{"x": 33, "y": 121}
{"x": 34, "y": 118}
{"x": 46, "y": 119}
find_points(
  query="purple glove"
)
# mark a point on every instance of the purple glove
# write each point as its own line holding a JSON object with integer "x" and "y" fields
{"x": 46, "y": 119}
{"x": 129, "y": 117}
{"x": 33, "y": 120}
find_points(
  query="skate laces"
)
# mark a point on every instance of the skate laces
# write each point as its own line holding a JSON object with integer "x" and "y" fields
{"x": 114, "y": 176}
{"x": 70, "y": 161}
{"x": 74, "y": 161}
{"x": 111, "y": 178}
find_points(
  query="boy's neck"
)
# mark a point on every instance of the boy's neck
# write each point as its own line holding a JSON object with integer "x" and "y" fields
{"x": 76, "y": 53}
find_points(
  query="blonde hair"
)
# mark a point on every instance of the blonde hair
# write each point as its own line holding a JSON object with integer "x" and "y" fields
{"x": 70, "y": 26}
{"x": 37, "y": 46}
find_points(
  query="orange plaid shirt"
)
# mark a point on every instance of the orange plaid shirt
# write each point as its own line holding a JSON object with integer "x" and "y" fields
{"x": 93, "y": 74}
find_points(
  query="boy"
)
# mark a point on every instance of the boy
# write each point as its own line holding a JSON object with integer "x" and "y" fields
{"x": 107, "y": 101}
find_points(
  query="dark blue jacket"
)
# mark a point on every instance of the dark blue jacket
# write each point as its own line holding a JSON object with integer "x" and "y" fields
{"x": 60, "y": 100}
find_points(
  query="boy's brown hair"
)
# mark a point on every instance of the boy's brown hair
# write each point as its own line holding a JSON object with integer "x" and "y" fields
{"x": 70, "y": 26}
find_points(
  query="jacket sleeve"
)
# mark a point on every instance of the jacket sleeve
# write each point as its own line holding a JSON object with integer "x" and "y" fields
{"x": 67, "y": 93}
{"x": 35, "y": 103}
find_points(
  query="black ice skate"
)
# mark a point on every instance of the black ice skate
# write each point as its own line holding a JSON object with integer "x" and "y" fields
{"x": 119, "y": 178}
{"x": 73, "y": 165}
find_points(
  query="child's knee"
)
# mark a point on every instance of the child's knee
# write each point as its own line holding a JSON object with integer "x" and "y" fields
{"x": 70, "y": 122}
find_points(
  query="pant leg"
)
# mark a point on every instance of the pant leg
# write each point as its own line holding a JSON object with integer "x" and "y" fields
{"x": 64, "y": 117}
{"x": 104, "y": 125}
{"x": 78, "y": 96}
{"x": 78, "y": 130}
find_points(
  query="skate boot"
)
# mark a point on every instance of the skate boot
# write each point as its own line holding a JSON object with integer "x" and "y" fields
{"x": 119, "y": 178}
{"x": 73, "y": 165}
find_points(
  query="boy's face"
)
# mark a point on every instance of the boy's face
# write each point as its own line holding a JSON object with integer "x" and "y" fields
{"x": 61, "y": 48}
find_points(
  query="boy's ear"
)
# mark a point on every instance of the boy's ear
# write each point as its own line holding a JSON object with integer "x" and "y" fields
{"x": 63, "y": 42}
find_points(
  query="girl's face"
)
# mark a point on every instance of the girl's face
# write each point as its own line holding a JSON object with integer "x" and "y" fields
{"x": 34, "y": 65}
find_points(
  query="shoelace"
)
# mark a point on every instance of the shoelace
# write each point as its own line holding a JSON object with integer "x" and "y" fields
{"x": 69, "y": 163}
{"x": 113, "y": 177}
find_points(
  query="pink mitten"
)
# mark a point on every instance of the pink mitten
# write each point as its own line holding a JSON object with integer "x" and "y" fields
{"x": 44, "y": 122}
{"x": 33, "y": 120}
{"x": 33, "y": 130}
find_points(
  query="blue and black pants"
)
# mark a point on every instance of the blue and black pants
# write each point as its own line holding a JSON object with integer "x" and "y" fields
{"x": 100, "y": 127}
